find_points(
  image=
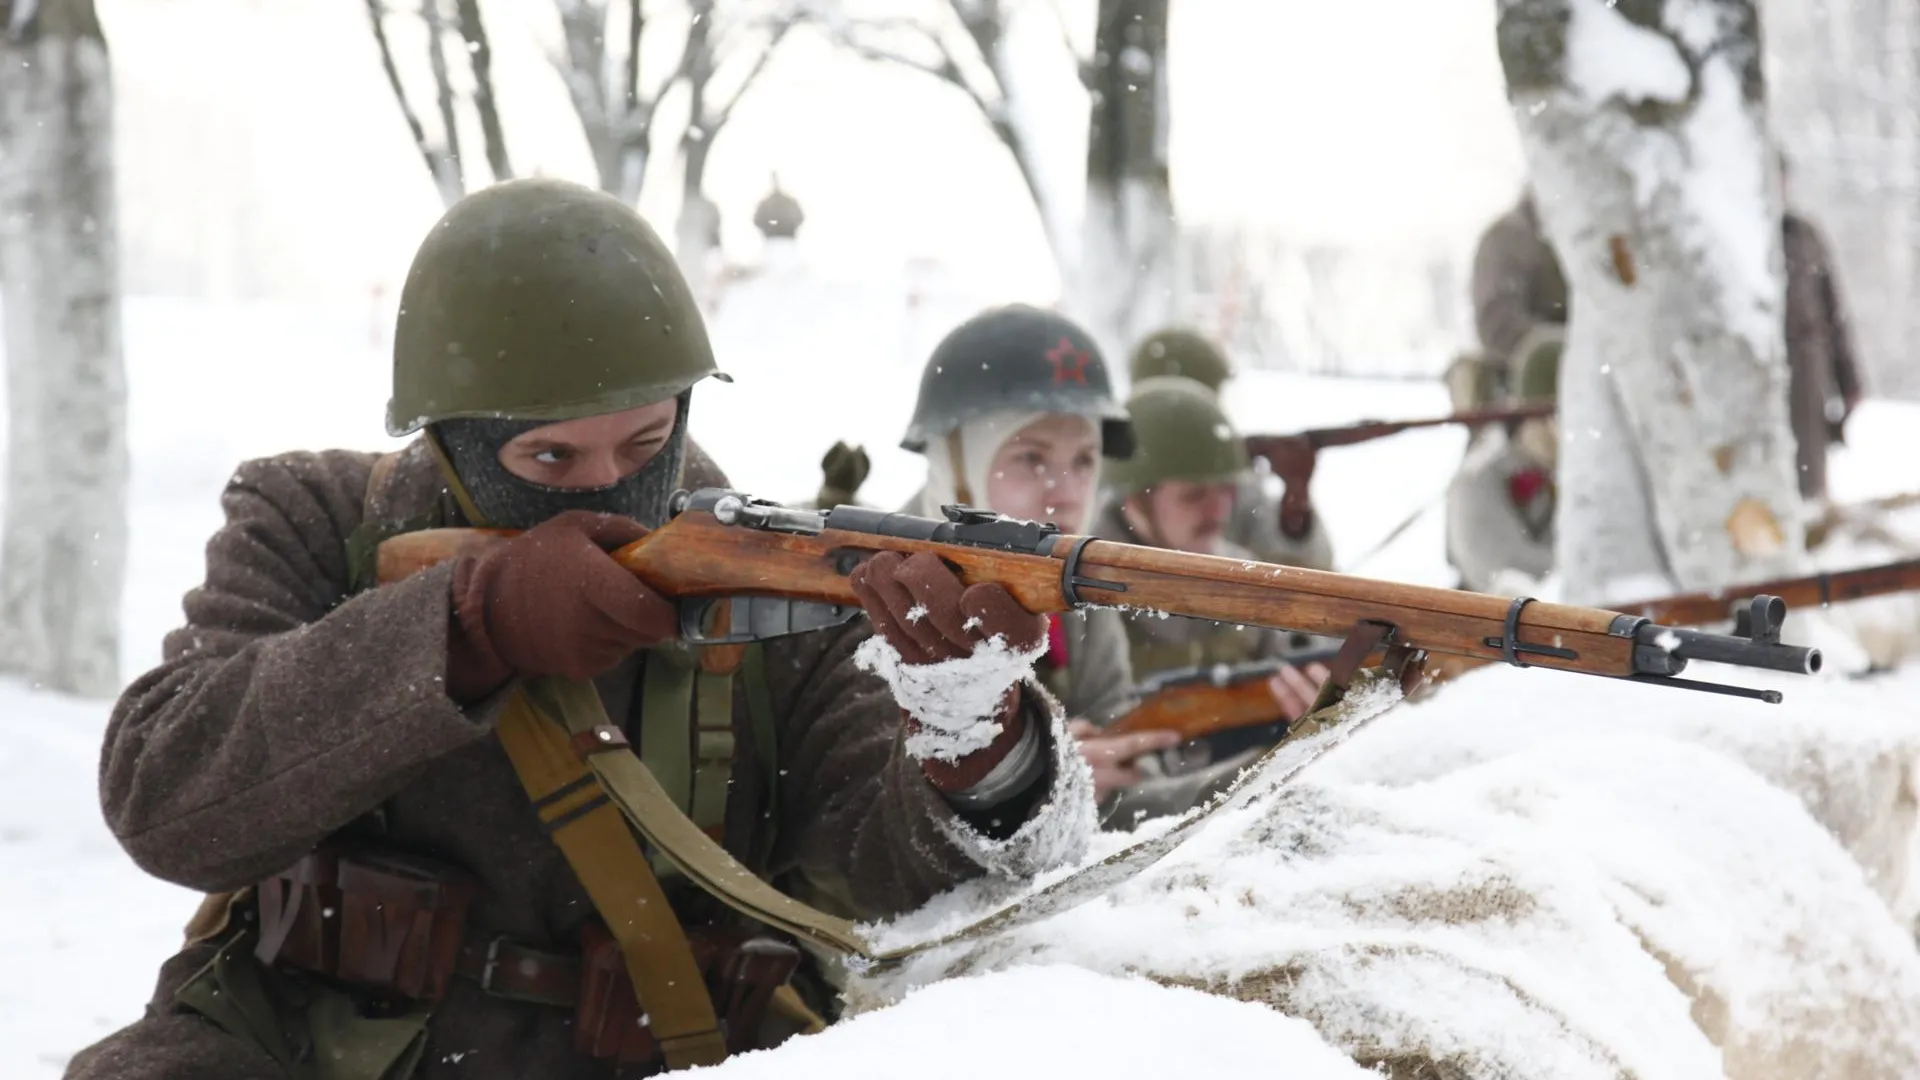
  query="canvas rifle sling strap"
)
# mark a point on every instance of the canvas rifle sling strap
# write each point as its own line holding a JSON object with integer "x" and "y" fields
{"x": 579, "y": 720}
{"x": 593, "y": 836}
{"x": 568, "y": 723}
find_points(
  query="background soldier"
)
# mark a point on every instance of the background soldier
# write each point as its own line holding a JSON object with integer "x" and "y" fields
{"x": 843, "y": 468}
{"x": 1518, "y": 288}
{"x": 1500, "y": 504}
{"x": 354, "y": 762}
{"x": 1283, "y": 530}
{"x": 1178, "y": 491}
{"x": 1015, "y": 414}
{"x": 1823, "y": 382}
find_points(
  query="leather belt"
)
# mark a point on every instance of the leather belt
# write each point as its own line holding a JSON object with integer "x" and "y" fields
{"x": 521, "y": 973}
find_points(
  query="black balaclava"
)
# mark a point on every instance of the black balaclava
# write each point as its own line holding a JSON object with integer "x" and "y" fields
{"x": 506, "y": 501}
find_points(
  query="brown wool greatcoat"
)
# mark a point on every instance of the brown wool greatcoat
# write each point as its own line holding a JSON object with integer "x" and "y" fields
{"x": 285, "y": 709}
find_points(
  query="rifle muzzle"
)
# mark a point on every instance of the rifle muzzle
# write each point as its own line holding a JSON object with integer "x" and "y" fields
{"x": 1665, "y": 650}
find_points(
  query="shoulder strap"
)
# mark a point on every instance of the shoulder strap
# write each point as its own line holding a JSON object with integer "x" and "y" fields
{"x": 766, "y": 742}
{"x": 590, "y": 833}
{"x": 378, "y": 522}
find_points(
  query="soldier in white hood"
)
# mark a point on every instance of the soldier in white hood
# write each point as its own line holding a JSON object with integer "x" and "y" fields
{"x": 1015, "y": 412}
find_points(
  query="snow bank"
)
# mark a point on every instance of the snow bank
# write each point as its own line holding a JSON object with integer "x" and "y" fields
{"x": 1055, "y": 1022}
{"x": 1540, "y": 875}
{"x": 84, "y": 928}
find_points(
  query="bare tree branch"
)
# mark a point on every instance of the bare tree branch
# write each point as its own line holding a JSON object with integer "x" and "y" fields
{"x": 636, "y": 22}
{"x": 984, "y": 24}
{"x": 779, "y": 31}
{"x": 1083, "y": 65}
{"x": 446, "y": 179}
{"x": 442, "y": 78}
{"x": 473, "y": 31}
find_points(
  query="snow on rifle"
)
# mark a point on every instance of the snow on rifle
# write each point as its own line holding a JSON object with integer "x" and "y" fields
{"x": 745, "y": 569}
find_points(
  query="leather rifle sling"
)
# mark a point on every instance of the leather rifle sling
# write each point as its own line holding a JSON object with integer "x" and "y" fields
{"x": 593, "y": 836}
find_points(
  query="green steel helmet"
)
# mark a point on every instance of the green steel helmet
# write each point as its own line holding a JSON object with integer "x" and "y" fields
{"x": 541, "y": 299}
{"x": 1180, "y": 351}
{"x": 1539, "y": 358}
{"x": 1016, "y": 357}
{"x": 1180, "y": 433}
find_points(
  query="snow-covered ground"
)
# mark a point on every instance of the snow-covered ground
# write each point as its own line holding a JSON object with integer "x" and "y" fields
{"x": 1547, "y": 876}
{"x": 85, "y": 930}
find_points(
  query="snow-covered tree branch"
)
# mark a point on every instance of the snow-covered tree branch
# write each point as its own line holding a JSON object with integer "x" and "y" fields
{"x": 1643, "y": 123}
{"x": 63, "y": 553}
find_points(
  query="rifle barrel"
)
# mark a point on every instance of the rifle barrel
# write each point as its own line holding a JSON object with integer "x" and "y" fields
{"x": 1368, "y": 430}
{"x": 1811, "y": 590}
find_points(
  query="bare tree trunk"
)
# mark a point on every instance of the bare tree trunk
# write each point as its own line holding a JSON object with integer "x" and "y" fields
{"x": 697, "y": 231}
{"x": 1126, "y": 274}
{"x": 1644, "y": 127}
{"x": 617, "y": 121}
{"x": 63, "y": 553}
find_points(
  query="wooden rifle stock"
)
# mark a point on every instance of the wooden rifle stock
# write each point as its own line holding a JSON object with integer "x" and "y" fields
{"x": 1198, "y": 710}
{"x": 723, "y": 545}
{"x": 1197, "y": 702}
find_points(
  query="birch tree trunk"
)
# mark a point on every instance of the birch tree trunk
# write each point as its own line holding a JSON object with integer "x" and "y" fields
{"x": 63, "y": 552}
{"x": 1643, "y": 123}
{"x": 1124, "y": 282}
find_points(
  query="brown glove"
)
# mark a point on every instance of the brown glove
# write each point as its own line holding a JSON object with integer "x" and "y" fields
{"x": 551, "y": 602}
{"x": 891, "y": 587}
{"x": 928, "y": 616}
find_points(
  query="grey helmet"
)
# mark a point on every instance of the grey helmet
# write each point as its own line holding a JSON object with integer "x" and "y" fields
{"x": 1017, "y": 357}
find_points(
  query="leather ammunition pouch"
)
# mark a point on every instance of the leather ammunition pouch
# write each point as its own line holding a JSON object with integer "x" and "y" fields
{"x": 389, "y": 927}
{"x": 742, "y": 973}
{"x": 384, "y": 922}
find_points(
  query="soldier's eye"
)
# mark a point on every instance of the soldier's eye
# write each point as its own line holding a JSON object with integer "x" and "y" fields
{"x": 552, "y": 455}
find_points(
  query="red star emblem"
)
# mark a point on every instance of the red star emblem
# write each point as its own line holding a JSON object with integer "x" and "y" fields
{"x": 1069, "y": 362}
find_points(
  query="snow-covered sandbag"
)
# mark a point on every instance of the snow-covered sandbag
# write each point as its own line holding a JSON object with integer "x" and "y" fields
{"x": 1602, "y": 904}
{"x": 1848, "y": 749}
{"x": 1055, "y": 1022}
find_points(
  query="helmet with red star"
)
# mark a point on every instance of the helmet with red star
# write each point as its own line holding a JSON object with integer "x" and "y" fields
{"x": 1017, "y": 357}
